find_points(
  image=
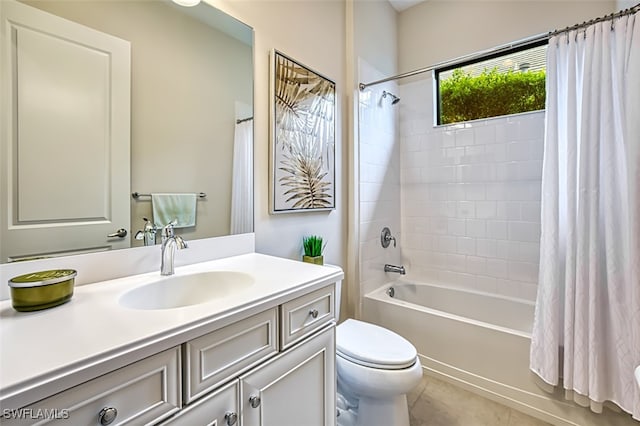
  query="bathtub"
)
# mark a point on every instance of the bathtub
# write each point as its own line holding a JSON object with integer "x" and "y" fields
{"x": 477, "y": 341}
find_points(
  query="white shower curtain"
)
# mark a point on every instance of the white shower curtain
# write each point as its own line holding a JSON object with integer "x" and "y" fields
{"x": 242, "y": 179}
{"x": 586, "y": 331}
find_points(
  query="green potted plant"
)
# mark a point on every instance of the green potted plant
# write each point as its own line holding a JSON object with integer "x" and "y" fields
{"x": 313, "y": 249}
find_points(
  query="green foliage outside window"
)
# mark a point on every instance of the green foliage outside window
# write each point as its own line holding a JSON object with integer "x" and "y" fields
{"x": 464, "y": 97}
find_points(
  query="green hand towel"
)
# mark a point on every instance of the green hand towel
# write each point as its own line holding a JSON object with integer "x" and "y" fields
{"x": 169, "y": 207}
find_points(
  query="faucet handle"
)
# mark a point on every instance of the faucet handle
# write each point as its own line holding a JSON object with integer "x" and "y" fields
{"x": 386, "y": 237}
{"x": 149, "y": 226}
{"x": 167, "y": 230}
{"x": 180, "y": 243}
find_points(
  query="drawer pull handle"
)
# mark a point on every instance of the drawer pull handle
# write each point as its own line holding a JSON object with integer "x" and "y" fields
{"x": 107, "y": 415}
{"x": 254, "y": 401}
{"x": 231, "y": 418}
{"x": 313, "y": 313}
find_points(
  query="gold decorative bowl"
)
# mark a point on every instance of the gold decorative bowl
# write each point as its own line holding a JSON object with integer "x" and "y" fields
{"x": 42, "y": 290}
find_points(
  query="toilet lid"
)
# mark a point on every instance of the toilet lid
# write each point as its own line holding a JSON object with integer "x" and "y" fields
{"x": 373, "y": 346}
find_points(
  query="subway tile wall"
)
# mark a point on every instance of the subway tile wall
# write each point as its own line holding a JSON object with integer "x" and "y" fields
{"x": 470, "y": 197}
{"x": 379, "y": 179}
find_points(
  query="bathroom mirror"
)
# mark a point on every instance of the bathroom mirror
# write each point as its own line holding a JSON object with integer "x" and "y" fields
{"x": 191, "y": 95}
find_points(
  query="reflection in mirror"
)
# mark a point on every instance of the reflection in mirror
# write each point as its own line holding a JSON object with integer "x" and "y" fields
{"x": 191, "y": 104}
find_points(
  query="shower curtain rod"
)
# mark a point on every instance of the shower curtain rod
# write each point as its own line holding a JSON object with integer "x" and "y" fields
{"x": 471, "y": 56}
{"x": 503, "y": 47}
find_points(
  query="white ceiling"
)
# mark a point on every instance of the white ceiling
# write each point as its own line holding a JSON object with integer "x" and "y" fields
{"x": 401, "y": 5}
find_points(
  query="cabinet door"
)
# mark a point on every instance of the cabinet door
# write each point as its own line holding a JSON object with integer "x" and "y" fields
{"x": 219, "y": 408}
{"x": 298, "y": 387}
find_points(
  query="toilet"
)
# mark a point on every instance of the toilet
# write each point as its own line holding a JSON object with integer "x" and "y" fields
{"x": 376, "y": 369}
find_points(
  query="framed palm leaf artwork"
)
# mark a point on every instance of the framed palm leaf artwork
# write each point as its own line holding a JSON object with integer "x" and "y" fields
{"x": 302, "y": 165}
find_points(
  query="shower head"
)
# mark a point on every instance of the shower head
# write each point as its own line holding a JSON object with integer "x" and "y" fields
{"x": 394, "y": 98}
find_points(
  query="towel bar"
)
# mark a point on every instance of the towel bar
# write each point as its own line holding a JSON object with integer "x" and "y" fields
{"x": 137, "y": 195}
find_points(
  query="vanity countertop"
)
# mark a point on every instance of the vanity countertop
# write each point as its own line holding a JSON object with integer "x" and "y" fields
{"x": 47, "y": 351}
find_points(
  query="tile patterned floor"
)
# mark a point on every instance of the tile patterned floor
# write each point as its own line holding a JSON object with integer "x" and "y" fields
{"x": 437, "y": 403}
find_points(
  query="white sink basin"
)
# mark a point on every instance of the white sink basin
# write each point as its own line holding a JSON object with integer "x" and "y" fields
{"x": 638, "y": 375}
{"x": 177, "y": 291}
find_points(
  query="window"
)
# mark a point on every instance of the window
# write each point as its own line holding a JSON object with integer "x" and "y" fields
{"x": 498, "y": 84}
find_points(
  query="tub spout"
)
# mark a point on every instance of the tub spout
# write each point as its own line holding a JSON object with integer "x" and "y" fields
{"x": 393, "y": 268}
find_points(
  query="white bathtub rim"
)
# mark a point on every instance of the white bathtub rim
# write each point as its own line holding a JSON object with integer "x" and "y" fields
{"x": 453, "y": 287}
{"x": 381, "y": 295}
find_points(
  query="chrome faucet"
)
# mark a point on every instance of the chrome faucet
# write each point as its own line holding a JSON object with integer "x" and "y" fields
{"x": 394, "y": 268}
{"x": 149, "y": 233}
{"x": 170, "y": 242}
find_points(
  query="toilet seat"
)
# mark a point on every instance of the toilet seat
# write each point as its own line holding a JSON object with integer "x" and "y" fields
{"x": 372, "y": 346}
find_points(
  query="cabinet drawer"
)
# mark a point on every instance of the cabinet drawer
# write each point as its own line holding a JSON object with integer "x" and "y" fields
{"x": 215, "y": 357}
{"x": 142, "y": 393}
{"x": 218, "y": 408}
{"x": 302, "y": 316}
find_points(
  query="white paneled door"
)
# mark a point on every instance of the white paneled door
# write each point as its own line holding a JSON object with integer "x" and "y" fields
{"x": 65, "y": 137}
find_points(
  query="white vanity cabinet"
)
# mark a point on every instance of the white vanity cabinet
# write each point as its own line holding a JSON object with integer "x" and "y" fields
{"x": 268, "y": 360}
{"x": 295, "y": 387}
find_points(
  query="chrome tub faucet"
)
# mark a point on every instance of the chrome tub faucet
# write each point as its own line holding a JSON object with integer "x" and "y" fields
{"x": 393, "y": 268}
{"x": 170, "y": 242}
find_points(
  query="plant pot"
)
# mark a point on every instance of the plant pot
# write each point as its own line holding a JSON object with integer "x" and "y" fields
{"x": 317, "y": 260}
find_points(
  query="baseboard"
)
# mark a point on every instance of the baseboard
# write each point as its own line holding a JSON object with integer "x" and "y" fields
{"x": 543, "y": 406}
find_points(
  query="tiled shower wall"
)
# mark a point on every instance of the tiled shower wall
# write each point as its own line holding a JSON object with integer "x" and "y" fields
{"x": 379, "y": 179}
{"x": 470, "y": 197}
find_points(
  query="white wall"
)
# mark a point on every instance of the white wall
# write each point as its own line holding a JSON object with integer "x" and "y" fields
{"x": 471, "y": 192}
{"x": 376, "y": 35}
{"x": 471, "y": 198}
{"x": 379, "y": 178}
{"x": 376, "y": 158}
{"x": 312, "y": 32}
{"x": 625, "y": 4}
{"x": 436, "y": 31}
